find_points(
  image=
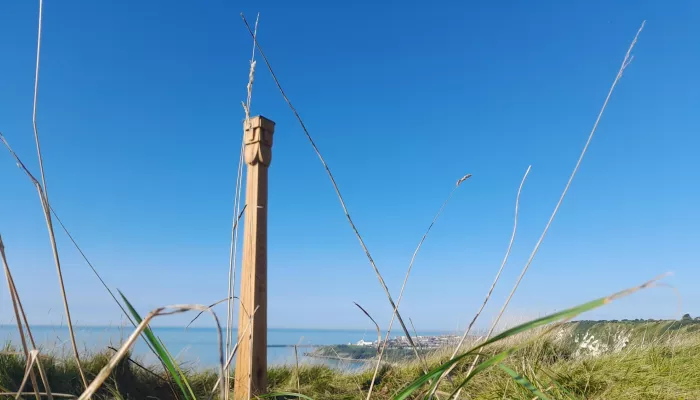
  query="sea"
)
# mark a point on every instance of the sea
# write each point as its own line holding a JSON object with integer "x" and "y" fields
{"x": 197, "y": 347}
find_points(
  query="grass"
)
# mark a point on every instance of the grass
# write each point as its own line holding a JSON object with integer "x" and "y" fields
{"x": 128, "y": 379}
{"x": 667, "y": 366}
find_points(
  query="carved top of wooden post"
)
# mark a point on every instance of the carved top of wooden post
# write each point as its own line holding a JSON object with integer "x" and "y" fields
{"x": 258, "y": 140}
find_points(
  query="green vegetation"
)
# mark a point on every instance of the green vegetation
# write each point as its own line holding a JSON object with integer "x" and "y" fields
{"x": 605, "y": 334}
{"x": 666, "y": 366}
{"x": 168, "y": 362}
{"x": 364, "y": 352}
{"x": 128, "y": 380}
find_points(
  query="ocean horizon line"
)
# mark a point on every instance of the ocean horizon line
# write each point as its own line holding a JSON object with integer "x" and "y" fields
{"x": 127, "y": 326}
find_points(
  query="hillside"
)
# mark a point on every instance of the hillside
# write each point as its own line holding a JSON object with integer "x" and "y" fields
{"x": 580, "y": 338}
{"x": 581, "y": 360}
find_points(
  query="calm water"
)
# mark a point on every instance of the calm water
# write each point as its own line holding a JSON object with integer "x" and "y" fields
{"x": 194, "y": 346}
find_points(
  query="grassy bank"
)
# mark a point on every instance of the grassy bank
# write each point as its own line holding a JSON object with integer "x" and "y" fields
{"x": 659, "y": 360}
{"x": 346, "y": 351}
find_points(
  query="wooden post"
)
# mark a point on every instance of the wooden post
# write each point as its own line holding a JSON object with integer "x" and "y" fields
{"x": 251, "y": 358}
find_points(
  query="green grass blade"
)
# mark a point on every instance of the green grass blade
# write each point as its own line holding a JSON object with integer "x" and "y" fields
{"x": 522, "y": 381}
{"x": 179, "y": 370}
{"x": 423, "y": 379}
{"x": 563, "y": 315}
{"x": 559, "y": 316}
{"x": 566, "y": 314}
{"x": 482, "y": 366}
{"x": 158, "y": 347}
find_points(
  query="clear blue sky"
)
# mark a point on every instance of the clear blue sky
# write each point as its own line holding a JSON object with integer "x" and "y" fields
{"x": 140, "y": 120}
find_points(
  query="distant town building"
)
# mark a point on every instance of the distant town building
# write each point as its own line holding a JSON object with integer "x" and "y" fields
{"x": 425, "y": 342}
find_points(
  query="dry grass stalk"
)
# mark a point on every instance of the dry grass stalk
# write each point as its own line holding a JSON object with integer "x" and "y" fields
{"x": 43, "y": 194}
{"x": 498, "y": 275}
{"x": 296, "y": 359}
{"x": 15, "y": 292}
{"x": 503, "y": 264}
{"x": 124, "y": 349}
{"x": 500, "y": 270}
{"x": 233, "y": 251}
{"x": 47, "y": 215}
{"x": 625, "y": 63}
{"x": 339, "y": 195}
{"x": 376, "y": 325}
{"x": 28, "y": 372}
{"x": 251, "y": 72}
{"x": 21, "y": 165}
{"x": 65, "y": 229}
{"x": 42, "y": 373}
{"x": 16, "y": 304}
{"x": 415, "y": 333}
{"x": 232, "y": 259}
{"x": 403, "y": 286}
{"x": 233, "y": 351}
{"x": 216, "y": 303}
{"x": 36, "y": 94}
{"x": 44, "y": 377}
{"x": 330, "y": 176}
{"x": 237, "y": 207}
